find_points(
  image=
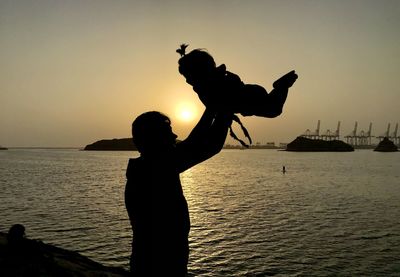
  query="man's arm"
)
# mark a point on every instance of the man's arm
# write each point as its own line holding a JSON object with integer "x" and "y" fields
{"x": 206, "y": 139}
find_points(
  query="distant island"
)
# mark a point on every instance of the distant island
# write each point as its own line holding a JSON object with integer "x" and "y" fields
{"x": 3, "y": 148}
{"x": 124, "y": 144}
{"x": 302, "y": 144}
{"x": 386, "y": 145}
{"x": 269, "y": 145}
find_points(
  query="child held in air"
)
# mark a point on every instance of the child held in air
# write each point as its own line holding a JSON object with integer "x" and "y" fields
{"x": 222, "y": 90}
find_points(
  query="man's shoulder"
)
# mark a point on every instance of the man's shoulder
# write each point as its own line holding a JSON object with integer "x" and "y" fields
{"x": 134, "y": 161}
{"x": 133, "y": 166}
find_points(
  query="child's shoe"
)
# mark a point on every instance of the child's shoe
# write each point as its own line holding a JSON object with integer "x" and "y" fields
{"x": 286, "y": 80}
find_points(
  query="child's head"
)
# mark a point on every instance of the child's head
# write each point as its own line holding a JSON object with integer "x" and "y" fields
{"x": 195, "y": 65}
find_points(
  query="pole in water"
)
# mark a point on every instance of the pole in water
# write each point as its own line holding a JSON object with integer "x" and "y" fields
{"x": 284, "y": 169}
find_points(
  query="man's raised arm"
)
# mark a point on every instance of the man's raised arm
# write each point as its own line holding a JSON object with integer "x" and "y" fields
{"x": 206, "y": 139}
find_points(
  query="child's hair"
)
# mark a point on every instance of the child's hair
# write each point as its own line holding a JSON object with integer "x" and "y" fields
{"x": 195, "y": 62}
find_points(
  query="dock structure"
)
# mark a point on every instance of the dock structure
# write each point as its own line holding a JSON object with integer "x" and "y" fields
{"x": 327, "y": 135}
{"x": 391, "y": 136}
{"x": 394, "y": 137}
{"x": 355, "y": 137}
{"x": 352, "y": 137}
{"x": 312, "y": 135}
{"x": 362, "y": 139}
{"x": 330, "y": 135}
{"x": 365, "y": 137}
{"x": 385, "y": 134}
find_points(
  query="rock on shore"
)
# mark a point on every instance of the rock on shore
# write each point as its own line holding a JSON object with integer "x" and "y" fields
{"x": 26, "y": 257}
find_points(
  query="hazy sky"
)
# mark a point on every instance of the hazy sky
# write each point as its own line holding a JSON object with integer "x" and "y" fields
{"x": 73, "y": 72}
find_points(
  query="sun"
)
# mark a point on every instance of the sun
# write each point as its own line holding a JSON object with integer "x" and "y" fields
{"x": 186, "y": 113}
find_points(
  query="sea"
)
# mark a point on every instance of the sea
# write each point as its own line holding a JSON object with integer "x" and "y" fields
{"x": 330, "y": 214}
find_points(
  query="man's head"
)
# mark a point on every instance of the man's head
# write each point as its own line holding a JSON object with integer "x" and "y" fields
{"x": 152, "y": 132}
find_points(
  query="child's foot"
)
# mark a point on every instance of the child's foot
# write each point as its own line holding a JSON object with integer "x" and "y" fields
{"x": 286, "y": 80}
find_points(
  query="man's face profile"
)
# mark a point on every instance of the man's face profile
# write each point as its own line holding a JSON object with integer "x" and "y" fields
{"x": 166, "y": 137}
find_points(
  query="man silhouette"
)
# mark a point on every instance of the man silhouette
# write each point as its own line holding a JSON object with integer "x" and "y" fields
{"x": 154, "y": 199}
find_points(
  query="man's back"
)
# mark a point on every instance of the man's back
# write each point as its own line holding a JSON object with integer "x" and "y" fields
{"x": 159, "y": 216}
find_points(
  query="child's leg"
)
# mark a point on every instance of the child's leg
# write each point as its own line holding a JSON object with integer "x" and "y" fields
{"x": 266, "y": 105}
{"x": 251, "y": 100}
{"x": 259, "y": 103}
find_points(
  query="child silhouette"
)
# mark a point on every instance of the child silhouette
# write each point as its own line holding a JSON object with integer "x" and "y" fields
{"x": 222, "y": 90}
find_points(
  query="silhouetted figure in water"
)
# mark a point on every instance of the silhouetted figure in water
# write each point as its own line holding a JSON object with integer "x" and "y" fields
{"x": 153, "y": 196}
{"x": 222, "y": 90}
{"x": 284, "y": 169}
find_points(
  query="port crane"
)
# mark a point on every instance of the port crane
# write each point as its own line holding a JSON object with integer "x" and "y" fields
{"x": 312, "y": 135}
{"x": 386, "y": 134}
{"x": 393, "y": 136}
{"x": 356, "y": 137}
{"x": 352, "y": 137}
{"x": 364, "y": 138}
{"x": 329, "y": 135}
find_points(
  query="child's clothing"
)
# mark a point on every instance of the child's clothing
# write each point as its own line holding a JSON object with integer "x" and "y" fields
{"x": 226, "y": 91}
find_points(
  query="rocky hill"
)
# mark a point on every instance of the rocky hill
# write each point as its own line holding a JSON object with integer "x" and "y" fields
{"x": 124, "y": 144}
{"x": 386, "y": 145}
{"x": 301, "y": 144}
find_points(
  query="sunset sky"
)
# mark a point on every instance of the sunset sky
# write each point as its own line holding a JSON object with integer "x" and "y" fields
{"x": 73, "y": 72}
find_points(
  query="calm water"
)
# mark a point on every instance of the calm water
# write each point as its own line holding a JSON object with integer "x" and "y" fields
{"x": 331, "y": 214}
